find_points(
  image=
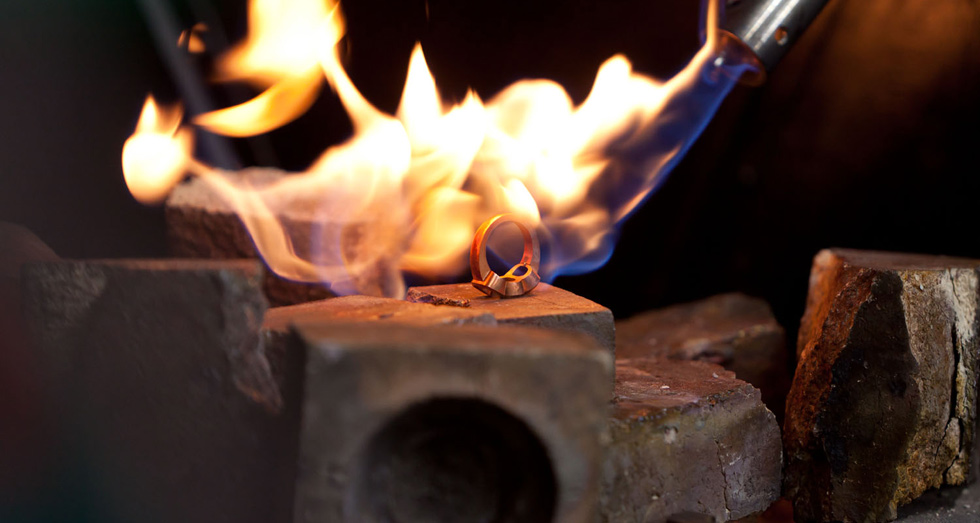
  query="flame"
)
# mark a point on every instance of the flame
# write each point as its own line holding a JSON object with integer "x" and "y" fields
{"x": 155, "y": 158}
{"x": 191, "y": 40}
{"x": 407, "y": 191}
{"x": 281, "y": 53}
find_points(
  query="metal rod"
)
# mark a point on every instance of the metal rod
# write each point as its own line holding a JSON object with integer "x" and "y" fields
{"x": 166, "y": 29}
{"x": 770, "y": 27}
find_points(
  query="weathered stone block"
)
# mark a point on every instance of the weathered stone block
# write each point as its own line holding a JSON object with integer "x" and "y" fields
{"x": 687, "y": 437}
{"x": 883, "y": 404}
{"x": 546, "y": 307}
{"x": 733, "y": 330}
{"x": 449, "y": 424}
{"x": 164, "y": 389}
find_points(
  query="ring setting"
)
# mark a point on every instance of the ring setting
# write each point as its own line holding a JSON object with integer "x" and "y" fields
{"x": 521, "y": 278}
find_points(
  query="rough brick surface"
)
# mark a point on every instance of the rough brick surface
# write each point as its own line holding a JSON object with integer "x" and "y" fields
{"x": 445, "y": 424}
{"x": 352, "y": 309}
{"x": 355, "y": 309}
{"x": 164, "y": 388}
{"x": 883, "y": 404}
{"x": 546, "y": 306}
{"x": 687, "y": 437}
{"x": 735, "y": 331}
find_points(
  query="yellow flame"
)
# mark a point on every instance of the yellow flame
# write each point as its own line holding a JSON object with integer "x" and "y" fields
{"x": 190, "y": 39}
{"x": 285, "y": 37}
{"x": 155, "y": 158}
{"x": 282, "y": 52}
{"x": 408, "y": 190}
{"x": 278, "y": 105}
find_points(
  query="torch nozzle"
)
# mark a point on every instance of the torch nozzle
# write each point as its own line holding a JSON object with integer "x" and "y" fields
{"x": 768, "y": 28}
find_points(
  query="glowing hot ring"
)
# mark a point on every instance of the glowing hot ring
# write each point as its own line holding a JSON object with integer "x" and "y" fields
{"x": 514, "y": 282}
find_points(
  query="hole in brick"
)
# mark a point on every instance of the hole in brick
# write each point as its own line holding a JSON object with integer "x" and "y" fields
{"x": 455, "y": 460}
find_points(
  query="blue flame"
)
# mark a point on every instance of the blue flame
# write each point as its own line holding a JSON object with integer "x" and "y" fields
{"x": 643, "y": 158}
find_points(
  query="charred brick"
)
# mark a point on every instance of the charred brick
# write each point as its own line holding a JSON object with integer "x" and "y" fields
{"x": 883, "y": 404}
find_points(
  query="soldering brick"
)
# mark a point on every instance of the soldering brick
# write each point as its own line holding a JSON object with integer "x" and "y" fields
{"x": 440, "y": 424}
{"x": 687, "y": 437}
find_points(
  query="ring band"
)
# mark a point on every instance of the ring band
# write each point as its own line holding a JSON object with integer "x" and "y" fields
{"x": 521, "y": 278}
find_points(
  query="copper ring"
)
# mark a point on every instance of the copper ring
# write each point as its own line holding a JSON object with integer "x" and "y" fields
{"x": 521, "y": 278}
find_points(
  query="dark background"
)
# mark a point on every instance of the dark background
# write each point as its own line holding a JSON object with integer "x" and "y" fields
{"x": 865, "y": 136}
